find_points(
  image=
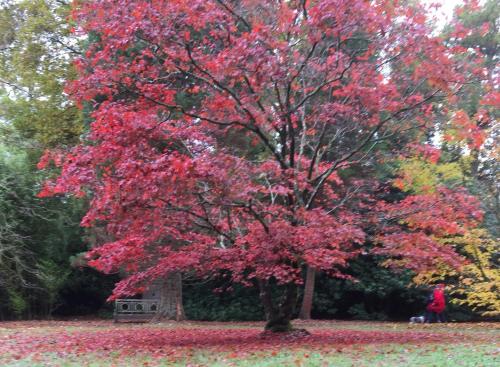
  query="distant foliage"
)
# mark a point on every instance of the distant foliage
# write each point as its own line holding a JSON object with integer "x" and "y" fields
{"x": 207, "y": 301}
{"x": 36, "y": 53}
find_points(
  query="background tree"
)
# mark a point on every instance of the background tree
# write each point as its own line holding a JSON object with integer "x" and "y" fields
{"x": 36, "y": 53}
{"x": 474, "y": 31}
{"x": 35, "y": 63}
{"x": 16, "y": 269}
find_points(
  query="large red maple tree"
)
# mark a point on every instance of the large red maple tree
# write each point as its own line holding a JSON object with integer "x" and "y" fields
{"x": 240, "y": 137}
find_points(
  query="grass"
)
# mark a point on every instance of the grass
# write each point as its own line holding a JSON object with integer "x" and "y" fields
{"x": 333, "y": 343}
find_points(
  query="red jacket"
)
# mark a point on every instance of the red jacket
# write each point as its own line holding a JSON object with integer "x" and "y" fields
{"x": 438, "y": 304}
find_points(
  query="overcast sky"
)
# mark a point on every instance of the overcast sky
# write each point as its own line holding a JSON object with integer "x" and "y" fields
{"x": 446, "y": 9}
{"x": 447, "y": 5}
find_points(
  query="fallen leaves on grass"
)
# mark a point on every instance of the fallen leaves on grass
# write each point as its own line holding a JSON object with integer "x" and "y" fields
{"x": 181, "y": 342}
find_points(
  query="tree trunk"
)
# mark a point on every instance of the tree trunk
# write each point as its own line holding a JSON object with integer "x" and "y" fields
{"x": 279, "y": 317}
{"x": 170, "y": 296}
{"x": 307, "y": 300}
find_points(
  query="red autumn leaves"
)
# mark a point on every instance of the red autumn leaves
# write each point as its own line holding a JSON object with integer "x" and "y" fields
{"x": 29, "y": 339}
{"x": 246, "y": 140}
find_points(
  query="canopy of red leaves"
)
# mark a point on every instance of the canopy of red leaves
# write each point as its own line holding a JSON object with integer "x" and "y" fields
{"x": 220, "y": 130}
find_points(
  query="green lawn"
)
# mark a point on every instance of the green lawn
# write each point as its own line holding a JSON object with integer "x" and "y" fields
{"x": 32, "y": 344}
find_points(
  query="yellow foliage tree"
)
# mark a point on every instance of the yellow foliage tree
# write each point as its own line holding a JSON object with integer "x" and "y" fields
{"x": 476, "y": 284}
{"x": 422, "y": 176}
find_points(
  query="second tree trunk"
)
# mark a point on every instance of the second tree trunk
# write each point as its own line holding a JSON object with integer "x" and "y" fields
{"x": 307, "y": 300}
{"x": 171, "y": 307}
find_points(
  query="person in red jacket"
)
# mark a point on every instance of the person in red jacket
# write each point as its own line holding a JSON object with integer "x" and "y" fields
{"x": 436, "y": 305}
